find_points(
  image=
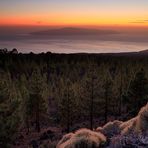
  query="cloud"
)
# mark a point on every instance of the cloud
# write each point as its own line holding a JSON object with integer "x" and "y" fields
{"x": 140, "y": 21}
{"x": 38, "y": 22}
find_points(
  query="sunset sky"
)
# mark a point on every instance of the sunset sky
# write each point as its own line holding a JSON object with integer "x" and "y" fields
{"x": 74, "y": 12}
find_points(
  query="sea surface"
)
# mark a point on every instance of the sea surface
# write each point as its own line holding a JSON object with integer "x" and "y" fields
{"x": 22, "y": 40}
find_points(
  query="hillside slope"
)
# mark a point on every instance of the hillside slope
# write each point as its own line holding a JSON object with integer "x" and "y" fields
{"x": 116, "y": 134}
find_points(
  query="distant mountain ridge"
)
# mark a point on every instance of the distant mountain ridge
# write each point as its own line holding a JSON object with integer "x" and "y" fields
{"x": 134, "y": 53}
{"x": 74, "y": 31}
{"x": 144, "y": 51}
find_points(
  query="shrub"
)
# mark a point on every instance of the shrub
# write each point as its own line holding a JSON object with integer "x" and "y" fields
{"x": 137, "y": 125}
{"x": 83, "y": 138}
{"x": 111, "y": 128}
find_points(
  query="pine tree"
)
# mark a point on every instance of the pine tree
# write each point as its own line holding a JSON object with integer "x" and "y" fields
{"x": 138, "y": 91}
{"x": 120, "y": 90}
{"x": 67, "y": 104}
{"x": 90, "y": 89}
{"x": 107, "y": 83}
{"x": 9, "y": 111}
{"x": 25, "y": 102}
{"x": 37, "y": 100}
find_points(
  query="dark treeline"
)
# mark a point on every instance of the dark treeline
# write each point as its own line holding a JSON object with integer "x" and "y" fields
{"x": 65, "y": 90}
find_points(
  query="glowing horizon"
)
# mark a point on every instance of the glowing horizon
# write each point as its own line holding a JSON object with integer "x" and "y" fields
{"x": 65, "y": 13}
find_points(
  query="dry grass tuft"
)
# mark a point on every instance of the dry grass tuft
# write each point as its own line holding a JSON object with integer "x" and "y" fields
{"x": 111, "y": 128}
{"x": 137, "y": 125}
{"x": 83, "y": 138}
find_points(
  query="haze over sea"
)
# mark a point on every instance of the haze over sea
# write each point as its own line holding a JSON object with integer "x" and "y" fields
{"x": 125, "y": 40}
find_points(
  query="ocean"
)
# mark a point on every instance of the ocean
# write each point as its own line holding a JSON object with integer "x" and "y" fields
{"x": 24, "y": 42}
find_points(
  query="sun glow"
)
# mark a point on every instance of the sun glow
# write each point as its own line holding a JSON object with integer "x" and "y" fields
{"x": 74, "y": 13}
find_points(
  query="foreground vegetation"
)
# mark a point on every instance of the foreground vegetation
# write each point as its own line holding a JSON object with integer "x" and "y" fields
{"x": 68, "y": 91}
{"x": 117, "y": 134}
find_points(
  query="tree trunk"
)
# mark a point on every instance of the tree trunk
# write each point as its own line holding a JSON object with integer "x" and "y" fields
{"x": 120, "y": 95}
{"x": 37, "y": 118}
{"x": 27, "y": 124}
{"x": 91, "y": 105}
{"x": 106, "y": 103}
{"x": 68, "y": 112}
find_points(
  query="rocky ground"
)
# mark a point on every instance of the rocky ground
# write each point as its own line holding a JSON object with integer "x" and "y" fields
{"x": 117, "y": 134}
{"x": 132, "y": 133}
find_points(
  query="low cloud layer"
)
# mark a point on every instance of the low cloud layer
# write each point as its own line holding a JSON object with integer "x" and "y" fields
{"x": 140, "y": 21}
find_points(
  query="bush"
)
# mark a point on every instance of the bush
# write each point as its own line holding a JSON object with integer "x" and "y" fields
{"x": 137, "y": 125}
{"x": 83, "y": 138}
{"x": 111, "y": 128}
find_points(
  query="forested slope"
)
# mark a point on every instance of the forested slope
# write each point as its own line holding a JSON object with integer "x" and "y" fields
{"x": 68, "y": 92}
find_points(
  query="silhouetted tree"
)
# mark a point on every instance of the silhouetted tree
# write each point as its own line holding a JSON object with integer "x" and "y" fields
{"x": 38, "y": 103}
{"x": 9, "y": 111}
{"x": 107, "y": 94}
{"x": 67, "y": 104}
{"x": 25, "y": 103}
{"x": 138, "y": 91}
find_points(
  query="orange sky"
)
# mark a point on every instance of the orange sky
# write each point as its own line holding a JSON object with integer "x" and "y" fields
{"x": 62, "y": 12}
